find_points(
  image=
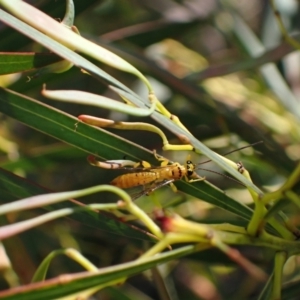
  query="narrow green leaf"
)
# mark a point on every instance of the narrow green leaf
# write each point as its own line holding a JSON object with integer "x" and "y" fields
{"x": 63, "y": 286}
{"x": 21, "y": 62}
{"x": 101, "y": 143}
{"x": 18, "y": 188}
{"x": 46, "y": 157}
{"x": 59, "y": 49}
{"x": 267, "y": 290}
{"x": 216, "y": 197}
{"x": 67, "y": 128}
{"x": 29, "y": 14}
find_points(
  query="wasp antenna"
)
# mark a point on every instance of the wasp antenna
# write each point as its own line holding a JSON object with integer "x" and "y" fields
{"x": 235, "y": 150}
{"x": 226, "y": 176}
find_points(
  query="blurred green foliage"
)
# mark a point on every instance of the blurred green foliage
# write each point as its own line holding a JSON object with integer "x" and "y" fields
{"x": 206, "y": 65}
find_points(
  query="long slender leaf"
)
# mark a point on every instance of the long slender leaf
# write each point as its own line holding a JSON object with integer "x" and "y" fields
{"x": 18, "y": 188}
{"x": 101, "y": 143}
{"x": 20, "y": 62}
{"x": 63, "y": 286}
{"x": 95, "y": 71}
{"x": 67, "y": 128}
{"x": 59, "y": 49}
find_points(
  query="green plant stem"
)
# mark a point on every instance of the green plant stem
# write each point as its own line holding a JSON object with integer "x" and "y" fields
{"x": 293, "y": 197}
{"x": 290, "y": 182}
{"x": 264, "y": 240}
{"x": 40, "y": 273}
{"x": 285, "y": 34}
{"x": 174, "y": 238}
{"x": 260, "y": 211}
{"x": 63, "y": 35}
{"x": 280, "y": 259}
{"x": 254, "y": 226}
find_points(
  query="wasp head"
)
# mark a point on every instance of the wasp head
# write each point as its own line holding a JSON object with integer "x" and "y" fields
{"x": 190, "y": 167}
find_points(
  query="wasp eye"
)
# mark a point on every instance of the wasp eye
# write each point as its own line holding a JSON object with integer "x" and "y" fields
{"x": 188, "y": 162}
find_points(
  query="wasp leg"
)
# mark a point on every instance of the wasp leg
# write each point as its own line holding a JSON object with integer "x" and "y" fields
{"x": 197, "y": 179}
{"x": 161, "y": 184}
{"x": 147, "y": 190}
{"x": 150, "y": 190}
{"x": 164, "y": 162}
{"x": 194, "y": 179}
{"x": 144, "y": 164}
{"x": 173, "y": 187}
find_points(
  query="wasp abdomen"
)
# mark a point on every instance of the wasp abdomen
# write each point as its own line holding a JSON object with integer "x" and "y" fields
{"x": 134, "y": 179}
